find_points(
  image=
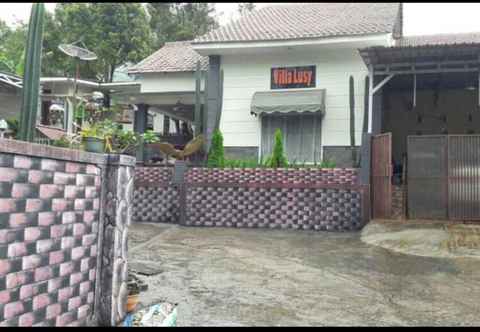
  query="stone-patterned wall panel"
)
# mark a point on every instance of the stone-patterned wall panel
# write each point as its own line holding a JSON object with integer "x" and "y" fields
{"x": 285, "y": 208}
{"x": 311, "y": 176}
{"x": 49, "y": 221}
{"x": 156, "y": 204}
{"x": 320, "y": 199}
{"x": 117, "y": 217}
{"x": 153, "y": 175}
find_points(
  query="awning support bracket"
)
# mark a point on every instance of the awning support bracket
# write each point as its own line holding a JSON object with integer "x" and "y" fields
{"x": 371, "y": 92}
{"x": 382, "y": 83}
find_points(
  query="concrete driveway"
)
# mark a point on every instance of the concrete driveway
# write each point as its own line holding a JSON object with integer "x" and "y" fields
{"x": 261, "y": 277}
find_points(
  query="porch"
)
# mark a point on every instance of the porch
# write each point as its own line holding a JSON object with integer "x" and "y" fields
{"x": 424, "y": 117}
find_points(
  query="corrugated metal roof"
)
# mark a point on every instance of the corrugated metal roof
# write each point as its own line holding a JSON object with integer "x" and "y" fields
{"x": 439, "y": 39}
{"x": 307, "y": 20}
{"x": 417, "y": 49}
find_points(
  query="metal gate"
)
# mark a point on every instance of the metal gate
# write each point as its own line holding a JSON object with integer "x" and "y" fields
{"x": 444, "y": 177}
{"x": 382, "y": 176}
{"x": 427, "y": 177}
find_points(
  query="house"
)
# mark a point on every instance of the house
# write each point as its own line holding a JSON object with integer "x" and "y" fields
{"x": 283, "y": 67}
{"x": 55, "y": 115}
{"x": 416, "y": 99}
{"x": 10, "y": 95}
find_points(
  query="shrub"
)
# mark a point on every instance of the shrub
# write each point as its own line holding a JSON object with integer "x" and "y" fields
{"x": 239, "y": 163}
{"x": 216, "y": 154}
{"x": 277, "y": 159}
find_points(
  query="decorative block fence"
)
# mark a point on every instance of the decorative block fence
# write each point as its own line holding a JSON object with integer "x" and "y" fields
{"x": 319, "y": 199}
{"x": 64, "y": 217}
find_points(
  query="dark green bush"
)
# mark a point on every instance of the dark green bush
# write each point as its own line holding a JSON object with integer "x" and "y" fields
{"x": 277, "y": 159}
{"x": 216, "y": 154}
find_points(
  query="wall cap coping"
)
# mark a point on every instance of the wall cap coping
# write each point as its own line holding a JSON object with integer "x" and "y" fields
{"x": 50, "y": 152}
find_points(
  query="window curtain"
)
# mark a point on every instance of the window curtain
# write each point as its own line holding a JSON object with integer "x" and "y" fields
{"x": 301, "y": 136}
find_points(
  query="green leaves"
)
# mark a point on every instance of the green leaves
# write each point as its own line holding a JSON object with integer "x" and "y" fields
{"x": 175, "y": 21}
{"x": 116, "y": 32}
{"x": 216, "y": 154}
{"x": 278, "y": 158}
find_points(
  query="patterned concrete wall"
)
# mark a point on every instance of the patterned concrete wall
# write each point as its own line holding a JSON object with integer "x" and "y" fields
{"x": 50, "y": 234}
{"x": 155, "y": 197}
{"x": 319, "y": 199}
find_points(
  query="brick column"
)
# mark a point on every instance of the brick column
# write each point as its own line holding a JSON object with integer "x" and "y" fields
{"x": 117, "y": 201}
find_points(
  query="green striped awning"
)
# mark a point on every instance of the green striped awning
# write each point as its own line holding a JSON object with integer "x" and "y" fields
{"x": 269, "y": 102}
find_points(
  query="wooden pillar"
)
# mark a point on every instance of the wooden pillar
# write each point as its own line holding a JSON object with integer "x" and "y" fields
{"x": 139, "y": 127}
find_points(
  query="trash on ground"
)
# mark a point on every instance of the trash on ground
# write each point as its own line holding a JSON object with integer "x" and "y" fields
{"x": 163, "y": 314}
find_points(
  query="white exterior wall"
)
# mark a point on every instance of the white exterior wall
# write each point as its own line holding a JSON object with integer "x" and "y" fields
{"x": 246, "y": 74}
{"x": 168, "y": 82}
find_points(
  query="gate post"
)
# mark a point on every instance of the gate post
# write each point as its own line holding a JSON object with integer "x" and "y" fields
{"x": 365, "y": 158}
{"x": 364, "y": 179}
{"x": 116, "y": 215}
{"x": 179, "y": 170}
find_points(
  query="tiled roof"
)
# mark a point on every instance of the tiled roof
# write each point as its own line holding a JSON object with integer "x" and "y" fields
{"x": 172, "y": 57}
{"x": 307, "y": 20}
{"x": 439, "y": 39}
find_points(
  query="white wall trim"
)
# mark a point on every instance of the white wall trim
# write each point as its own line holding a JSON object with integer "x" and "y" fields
{"x": 216, "y": 48}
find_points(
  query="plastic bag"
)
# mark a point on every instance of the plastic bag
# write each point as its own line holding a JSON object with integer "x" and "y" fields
{"x": 163, "y": 314}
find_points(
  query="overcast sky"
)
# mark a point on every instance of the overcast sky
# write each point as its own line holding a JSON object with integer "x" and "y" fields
{"x": 419, "y": 18}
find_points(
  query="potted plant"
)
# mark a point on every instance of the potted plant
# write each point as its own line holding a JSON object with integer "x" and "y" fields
{"x": 149, "y": 138}
{"x": 93, "y": 137}
{"x": 122, "y": 141}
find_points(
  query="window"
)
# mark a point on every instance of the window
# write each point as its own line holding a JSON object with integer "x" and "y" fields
{"x": 301, "y": 136}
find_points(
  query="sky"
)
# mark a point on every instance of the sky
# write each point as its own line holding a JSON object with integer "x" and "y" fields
{"x": 419, "y": 18}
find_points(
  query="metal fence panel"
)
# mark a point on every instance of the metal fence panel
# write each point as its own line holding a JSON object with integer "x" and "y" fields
{"x": 464, "y": 177}
{"x": 426, "y": 177}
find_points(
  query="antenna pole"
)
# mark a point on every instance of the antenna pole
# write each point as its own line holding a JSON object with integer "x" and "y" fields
{"x": 75, "y": 87}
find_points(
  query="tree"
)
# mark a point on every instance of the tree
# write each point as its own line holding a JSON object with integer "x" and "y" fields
{"x": 278, "y": 158}
{"x": 177, "y": 21}
{"x": 245, "y": 7}
{"x": 116, "y": 32}
{"x": 12, "y": 48}
{"x": 216, "y": 155}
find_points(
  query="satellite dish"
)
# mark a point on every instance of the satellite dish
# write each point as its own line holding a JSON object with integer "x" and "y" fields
{"x": 77, "y": 52}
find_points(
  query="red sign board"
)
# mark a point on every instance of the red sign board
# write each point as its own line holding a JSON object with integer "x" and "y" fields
{"x": 293, "y": 77}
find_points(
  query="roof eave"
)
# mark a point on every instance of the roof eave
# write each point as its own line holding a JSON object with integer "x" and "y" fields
{"x": 209, "y": 48}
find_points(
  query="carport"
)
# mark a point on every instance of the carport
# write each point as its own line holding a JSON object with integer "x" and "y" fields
{"x": 424, "y": 119}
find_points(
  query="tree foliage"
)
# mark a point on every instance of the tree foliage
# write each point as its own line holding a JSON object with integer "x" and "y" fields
{"x": 278, "y": 158}
{"x": 177, "y": 21}
{"x": 117, "y": 32}
{"x": 12, "y": 45}
{"x": 216, "y": 155}
{"x": 245, "y": 7}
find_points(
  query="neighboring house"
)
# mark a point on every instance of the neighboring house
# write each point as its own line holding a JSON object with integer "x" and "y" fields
{"x": 55, "y": 114}
{"x": 167, "y": 85}
{"x": 10, "y": 95}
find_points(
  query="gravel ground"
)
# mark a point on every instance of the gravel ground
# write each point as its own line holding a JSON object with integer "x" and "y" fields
{"x": 261, "y": 277}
